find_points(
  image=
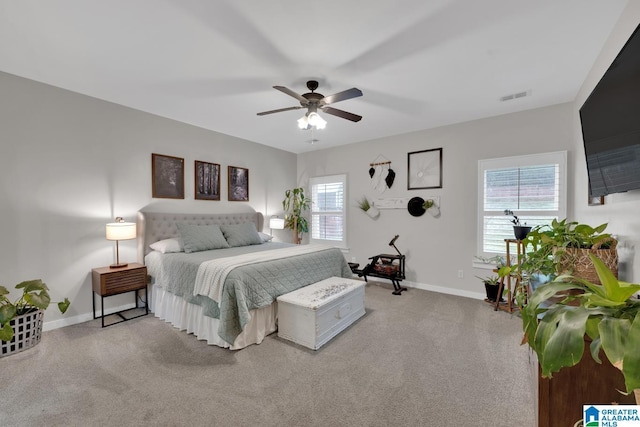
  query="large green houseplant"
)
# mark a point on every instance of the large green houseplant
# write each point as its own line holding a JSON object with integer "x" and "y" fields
{"x": 294, "y": 204}
{"x": 551, "y": 249}
{"x": 35, "y": 296}
{"x": 556, "y": 321}
{"x": 561, "y": 247}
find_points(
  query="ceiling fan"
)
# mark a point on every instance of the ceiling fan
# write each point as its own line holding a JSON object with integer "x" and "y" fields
{"x": 313, "y": 102}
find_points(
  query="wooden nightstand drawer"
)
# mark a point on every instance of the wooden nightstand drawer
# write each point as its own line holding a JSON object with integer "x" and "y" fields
{"x": 109, "y": 281}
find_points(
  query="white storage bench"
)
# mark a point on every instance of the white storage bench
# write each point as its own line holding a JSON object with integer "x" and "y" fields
{"x": 312, "y": 315}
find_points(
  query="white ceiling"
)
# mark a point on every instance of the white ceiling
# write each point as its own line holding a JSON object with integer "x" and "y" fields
{"x": 212, "y": 63}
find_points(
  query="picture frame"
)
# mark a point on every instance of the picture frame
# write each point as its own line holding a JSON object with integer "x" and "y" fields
{"x": 596, "y": 201}
{"x": 424, "y": 169}
{"x": 238, "y": 181}
{"x": 167, "y": 176}
{"x": 207, "y": 180}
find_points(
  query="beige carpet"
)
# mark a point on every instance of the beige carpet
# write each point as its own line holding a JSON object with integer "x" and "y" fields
{"x": 420, "y": 359}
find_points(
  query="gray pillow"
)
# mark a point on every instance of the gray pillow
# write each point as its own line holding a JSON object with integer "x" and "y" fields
{"x": 201, "y": 237}
{"x": 241, "y": 234}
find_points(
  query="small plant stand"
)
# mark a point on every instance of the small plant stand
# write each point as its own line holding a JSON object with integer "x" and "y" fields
{"x": 513, "y": 280}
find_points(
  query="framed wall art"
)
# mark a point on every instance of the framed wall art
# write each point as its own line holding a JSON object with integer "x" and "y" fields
{"x": 207, "y": 181}
{"x": 238, "y": 184}
{"x": 167, "y": 176}
{"x": 424, "y": 169}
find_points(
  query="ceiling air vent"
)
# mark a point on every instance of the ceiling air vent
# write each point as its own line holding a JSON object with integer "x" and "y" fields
{"x": 515, "y": 96}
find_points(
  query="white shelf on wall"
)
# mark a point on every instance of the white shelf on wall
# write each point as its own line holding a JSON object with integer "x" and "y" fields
{"x": 400, "y": 202}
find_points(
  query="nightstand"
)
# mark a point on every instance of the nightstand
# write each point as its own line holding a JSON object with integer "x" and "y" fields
{"x": 109, "y": 281}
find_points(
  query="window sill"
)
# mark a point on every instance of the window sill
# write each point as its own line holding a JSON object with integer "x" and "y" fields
{"x": 483, "y": 265}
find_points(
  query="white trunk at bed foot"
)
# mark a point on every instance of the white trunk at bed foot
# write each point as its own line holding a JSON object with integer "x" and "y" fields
{"x": 312, "y": 315}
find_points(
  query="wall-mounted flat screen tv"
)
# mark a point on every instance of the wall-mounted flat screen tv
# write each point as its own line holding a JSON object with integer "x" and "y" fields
{"x": 610, "y": 120}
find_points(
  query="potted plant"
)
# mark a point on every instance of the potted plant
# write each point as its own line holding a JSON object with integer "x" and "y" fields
{"x": 367, "y": 208}
{"x": 294, "y": 204}
{"x": 491, "y": 284}
{"x": 607, "y": 313}
{"x": 520, "y": 231}
{"x": 33, "y": 301}
{"x": 564, "y": 247}
{"x": 430, "y": 206}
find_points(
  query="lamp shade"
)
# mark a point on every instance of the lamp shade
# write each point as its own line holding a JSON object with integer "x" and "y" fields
{"x": 121, "y": 231}
{"x": 276, "y": 223}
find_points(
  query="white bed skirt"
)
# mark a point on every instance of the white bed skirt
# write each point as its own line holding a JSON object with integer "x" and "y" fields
{"x": 188, "y": 317}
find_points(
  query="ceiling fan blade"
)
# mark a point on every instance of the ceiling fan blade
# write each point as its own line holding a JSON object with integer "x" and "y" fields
{"x": 292, "y": 93}
{"x": 341, "y": 96}
{"x": 343, "y": 114}
{"x": 279, "y": 110}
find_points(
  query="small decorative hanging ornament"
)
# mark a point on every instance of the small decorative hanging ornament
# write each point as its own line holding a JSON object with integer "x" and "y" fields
{"x": 391, "y": 175}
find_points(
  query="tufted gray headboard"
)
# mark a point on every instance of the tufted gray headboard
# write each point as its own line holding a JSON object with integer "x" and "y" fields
{"x": 154, "y": 226}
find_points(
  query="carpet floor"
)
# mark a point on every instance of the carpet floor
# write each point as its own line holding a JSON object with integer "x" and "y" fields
{"x": 420, "y": 359}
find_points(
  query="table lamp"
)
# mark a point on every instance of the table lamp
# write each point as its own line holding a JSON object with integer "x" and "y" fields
{"x": 276, "y": 223}
{"x": 120, "y": 230}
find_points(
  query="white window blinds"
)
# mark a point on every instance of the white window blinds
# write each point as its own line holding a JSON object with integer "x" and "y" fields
{"x": 533, "y": 187}
{"x": 328, "y": 210}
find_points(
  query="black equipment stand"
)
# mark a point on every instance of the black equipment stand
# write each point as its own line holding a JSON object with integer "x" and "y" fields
{"x": 385, "y": 266}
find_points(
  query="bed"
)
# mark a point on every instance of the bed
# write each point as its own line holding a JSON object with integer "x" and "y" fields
{"x": 217, "y": 277}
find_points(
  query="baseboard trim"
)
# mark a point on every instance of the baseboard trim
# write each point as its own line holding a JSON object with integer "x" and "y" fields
{"x": 444, "y": 290}
{"x": 81, "y": 318}
{"x": 433, "y": 288}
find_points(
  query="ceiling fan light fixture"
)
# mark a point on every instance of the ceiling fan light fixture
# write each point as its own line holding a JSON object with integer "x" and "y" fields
{"x": 313, "y": 100}
{"x": 303, "y": 123}
{"x": 316, "y": 121}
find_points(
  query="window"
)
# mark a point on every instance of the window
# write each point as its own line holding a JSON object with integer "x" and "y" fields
{"x": 533, "y": 187}
{"x": 328, "y": 210}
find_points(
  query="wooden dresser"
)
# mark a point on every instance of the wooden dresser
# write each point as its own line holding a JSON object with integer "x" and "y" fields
{"x": 559, "y": 400}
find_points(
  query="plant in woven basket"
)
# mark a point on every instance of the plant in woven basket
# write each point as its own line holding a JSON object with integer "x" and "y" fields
{"x": 564, "y": 247}
{"x": 608, "y": 313}
{"x": 35, "y": 295}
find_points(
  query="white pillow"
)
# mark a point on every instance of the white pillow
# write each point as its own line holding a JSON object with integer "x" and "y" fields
{"x": 265, "y": 237}
{"x": 167, "y": 246}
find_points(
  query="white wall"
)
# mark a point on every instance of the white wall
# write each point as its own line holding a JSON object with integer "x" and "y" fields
{"x": 437, "y": 248}
{"x": 620, "y": 211}
{"x": 70, "y": 163}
